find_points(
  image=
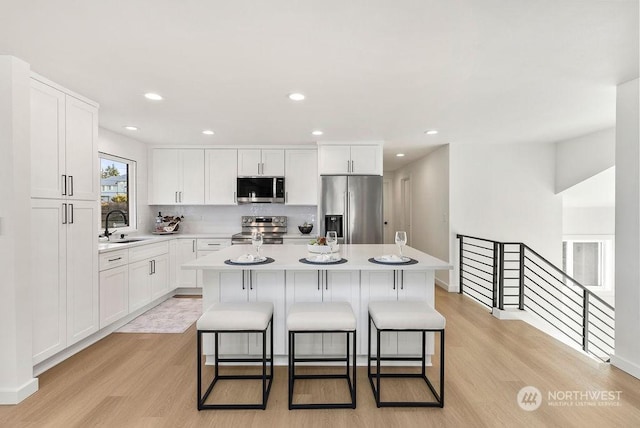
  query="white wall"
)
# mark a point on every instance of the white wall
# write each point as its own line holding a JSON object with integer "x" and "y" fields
{"x": 16, "y": 367}
{"x": 119, "y": 145}
{"x": 627, "y": 348}
{"x": 429, "y": 177}
{"x": 589, "y": 221}
{"x": 580, "y": 158}
{"x": 505, "y": 192}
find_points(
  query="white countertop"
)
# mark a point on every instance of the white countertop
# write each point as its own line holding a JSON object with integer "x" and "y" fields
{"x": 287, "y": 258}
{"x": 106, "y": 246}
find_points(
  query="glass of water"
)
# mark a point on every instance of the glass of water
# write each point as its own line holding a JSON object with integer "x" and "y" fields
{"x": 401, "y": 240}
{"x": 256, "y": 241}
{"x": 332, "y": 239}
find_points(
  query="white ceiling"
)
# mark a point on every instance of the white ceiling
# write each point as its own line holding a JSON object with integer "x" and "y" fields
{"x": 479, "y": 71}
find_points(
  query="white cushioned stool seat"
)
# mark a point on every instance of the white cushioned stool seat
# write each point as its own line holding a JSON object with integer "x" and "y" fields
{"x": 321, "y": 316}
{"x": 236, "y": 316}
{"x": 405, "y": 316}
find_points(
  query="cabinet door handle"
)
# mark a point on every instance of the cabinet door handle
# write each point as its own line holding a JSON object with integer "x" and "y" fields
{"x": 215, "y": 245}
{"x": 193, "y": 246}
{"x": 154, "y": 266}
{"x": 64, "y": 213}
{"x": 395, "y": 273}
{"x": 64, "y": 185}
{"x": 318, "y": 280}
{"x": 250, "y": 280}
{"x": 117, "y": 258}
{"x": 348, "y": 166}
{"x": 175, "y": 198}
{"x": 244, "y": 274}
{"x": 286, "y": 197}
{"x": 401, "y": 280}
{"x": 326, "y": 280}
{"x": 71, "y": 185}
{"x": 235, "y": 199}
{"x": 150, "y": 268}
{"x": 71, "y": 214}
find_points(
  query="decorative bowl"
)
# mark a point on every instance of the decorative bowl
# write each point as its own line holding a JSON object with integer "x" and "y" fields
{"x": 322, "y": 249}
{"x": 305, "y": 229}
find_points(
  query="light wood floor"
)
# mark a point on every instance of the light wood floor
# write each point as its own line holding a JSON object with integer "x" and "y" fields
{"x": 149, "y": 380}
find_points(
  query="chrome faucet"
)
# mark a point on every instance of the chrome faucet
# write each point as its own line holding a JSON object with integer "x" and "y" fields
{"x": 107, "y": 234}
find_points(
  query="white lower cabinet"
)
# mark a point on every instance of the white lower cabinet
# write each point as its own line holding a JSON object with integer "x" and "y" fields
{"x": 253, "y": 286}
{"x": 114, "y": 294}
{"x": 323, "y": 286}
{"x": 148, "y": 274}
{"x": 389, "y": 286}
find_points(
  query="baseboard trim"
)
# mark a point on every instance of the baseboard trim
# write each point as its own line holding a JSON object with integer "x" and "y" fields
{"x": 501, "y": 314}
{"x": 626, "y": 366}
{"x": 450, "y": 288}
{"x": 15, "y": 396}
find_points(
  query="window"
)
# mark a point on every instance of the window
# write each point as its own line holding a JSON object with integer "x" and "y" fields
{"x": 117, "y": 191}
{"x": 589, "y": 260}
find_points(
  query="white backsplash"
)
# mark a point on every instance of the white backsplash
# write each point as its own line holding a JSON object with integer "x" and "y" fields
{"x": 226, "y": 219}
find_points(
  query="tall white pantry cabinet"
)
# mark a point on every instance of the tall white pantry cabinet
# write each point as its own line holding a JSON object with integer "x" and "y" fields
{"x": 64, "y": 217}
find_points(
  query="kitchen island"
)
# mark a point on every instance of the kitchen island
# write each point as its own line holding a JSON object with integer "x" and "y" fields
{"x": 286, "y": 281}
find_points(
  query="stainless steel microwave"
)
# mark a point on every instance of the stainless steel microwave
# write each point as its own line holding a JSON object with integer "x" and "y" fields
{"x": 269, "y": 190}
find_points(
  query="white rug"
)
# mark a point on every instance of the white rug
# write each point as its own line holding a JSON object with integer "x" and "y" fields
{"x": 174, "y": 315}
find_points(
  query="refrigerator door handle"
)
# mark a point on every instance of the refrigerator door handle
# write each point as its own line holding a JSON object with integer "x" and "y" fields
{"x": 345, "y": 220}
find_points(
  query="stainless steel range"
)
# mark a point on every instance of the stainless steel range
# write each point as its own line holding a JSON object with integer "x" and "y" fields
{"x": 272, "y": 229}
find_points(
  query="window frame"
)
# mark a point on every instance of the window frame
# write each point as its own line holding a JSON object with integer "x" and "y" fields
{"x": 606, "y": 262}
{"x": 132, "y": 194}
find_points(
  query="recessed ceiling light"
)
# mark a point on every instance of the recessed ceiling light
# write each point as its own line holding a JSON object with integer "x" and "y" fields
{"x": 208, "y": 132}
{"x": 431, "y": 132}
{"x": 153, "y": 97}
{"x": 400, "y": 155}
{"x": 317, "y": 132}
{"x": 131, "y": 128}
{"x": 296, "y": 96}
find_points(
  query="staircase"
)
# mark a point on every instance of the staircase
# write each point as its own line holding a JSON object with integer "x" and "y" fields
{"x": 511, "y": 276}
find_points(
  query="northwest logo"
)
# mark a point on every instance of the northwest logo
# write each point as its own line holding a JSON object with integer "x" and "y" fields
{"x": 529, "y": 398}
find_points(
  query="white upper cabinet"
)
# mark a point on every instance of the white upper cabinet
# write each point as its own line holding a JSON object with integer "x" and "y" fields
{"x": 221, "y": 170}
{"x": 177, "y": 177}
{"x": 301, "y": 177}
{"x": 257, "y": 162}
{"x": 64, "y": 145}
{"x": 340, "y": 159}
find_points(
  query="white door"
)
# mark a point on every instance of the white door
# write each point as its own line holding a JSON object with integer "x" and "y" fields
{"x": 249, "y": 162}
{"x": 340, "y": 286}
{"x": 269, "y": 286}
{"x": 406, "y": 208}
{"x": 165, "y": 178}
{"x": 48, "y": 180}
{"x": 417, "y": 287}
{"x": 192, "y": 184}
{"x": 185, "y": 252}
{"x": 81, "y": 148}
{"x": 48, "y": 277}
{"x": 304, "y": 286}
{"x": 83, "y": 316}
{"x": 160, "y": 276}
{"x": 114, "y": 294}
{"x": 234, "y": 287}
{"x": 221, "y": 171}
{"x": 366, "y": 160}
{"x": 301, "y": 177}
{"x": 377, "y": 286}
{"x": 139, "y": 284}
{"x": 273, "y": 163}
{"x": 334, "y": 160}
{"x": 387, "y": 212}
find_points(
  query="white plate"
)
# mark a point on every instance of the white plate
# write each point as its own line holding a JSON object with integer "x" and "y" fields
{"x": 322, "y": 249}
{"x": 245, "y": 260}
{"x": 387, "y": 259}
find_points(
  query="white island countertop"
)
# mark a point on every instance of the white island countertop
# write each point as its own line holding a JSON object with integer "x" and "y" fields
{"x": 286, "y": 257}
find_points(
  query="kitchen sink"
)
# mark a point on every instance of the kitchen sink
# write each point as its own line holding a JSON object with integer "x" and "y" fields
{"x": 127, "y": 241}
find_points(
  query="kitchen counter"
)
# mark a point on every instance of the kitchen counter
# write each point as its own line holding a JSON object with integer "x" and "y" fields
{"x": 145, "y": 239}
{"x": 287, "y": 257}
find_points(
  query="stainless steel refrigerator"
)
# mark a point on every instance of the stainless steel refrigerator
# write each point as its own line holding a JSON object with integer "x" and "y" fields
{"x": 352, "y": 206}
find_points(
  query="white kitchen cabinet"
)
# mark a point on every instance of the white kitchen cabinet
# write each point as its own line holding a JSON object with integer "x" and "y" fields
{"x": 388, "y": 286}
{"x": 114, "y": 294}
{"x": 254, "y": 286}
{"x": 185, "y": 252}
{"x": 341, "y": 159}
{"x": 301, "y": 177}
{"x": 177, "y": 177}
{"x": 204, "y": 247}
{"x": 323, "y": 286}
{"x": 65, "y": 275}
{"x": 64, "y": 144}
{"x": 148, "y": 274}
{"x": 261, "y": 162}
{"x": 221, "y": 172}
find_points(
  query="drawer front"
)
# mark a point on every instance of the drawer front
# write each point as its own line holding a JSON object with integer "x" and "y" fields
{"x": 147, "y": 251}
{"x": 113, "y": 259}
{"x": 213, "y": 244}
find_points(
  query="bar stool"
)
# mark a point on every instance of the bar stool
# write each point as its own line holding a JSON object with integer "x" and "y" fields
{"x": 405, "y": 317}
{"x": 326, "y": 317}
{"x": 243, "y": 317}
